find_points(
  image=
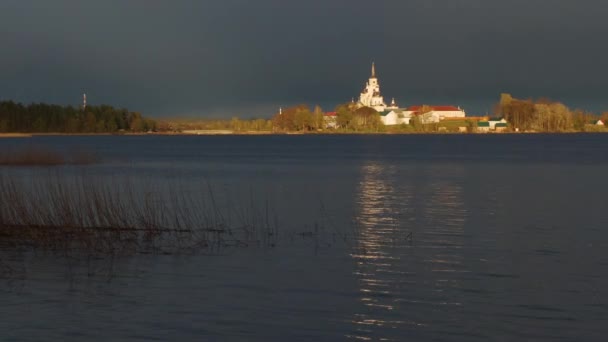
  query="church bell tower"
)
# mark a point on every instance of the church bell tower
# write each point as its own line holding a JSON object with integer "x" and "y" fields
{"x": 370, "y": 96}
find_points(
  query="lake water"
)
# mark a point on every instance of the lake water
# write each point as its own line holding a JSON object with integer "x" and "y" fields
{"x": 416, "y": 237}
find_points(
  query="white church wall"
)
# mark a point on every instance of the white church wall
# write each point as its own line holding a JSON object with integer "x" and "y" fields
{"x": 451, "y": 114}
{"x": 330, "y": 121}
{"x": 430, "y": 117}
{"x": 396, "y": 118}
{"x": 389, "y": 119}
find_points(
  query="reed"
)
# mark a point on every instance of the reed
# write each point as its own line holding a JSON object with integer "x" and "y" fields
{"x": 121, "y": 217}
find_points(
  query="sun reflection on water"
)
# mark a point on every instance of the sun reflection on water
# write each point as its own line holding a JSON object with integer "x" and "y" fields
{"x": 410, "y": 236}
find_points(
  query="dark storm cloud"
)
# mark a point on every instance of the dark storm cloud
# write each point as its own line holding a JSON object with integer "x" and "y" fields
{"x": 224, "y": 57}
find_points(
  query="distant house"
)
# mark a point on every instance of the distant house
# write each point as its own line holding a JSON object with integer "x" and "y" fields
{"x": 500, "y": 126}
{"x": 483, "y": 126}
{"x": 494, "y": 121}
{"x": 330, "y": 119}
{"x": 397, "y": 116}
{"x": 595, "y": 125}
{"x": 389, "y": 117}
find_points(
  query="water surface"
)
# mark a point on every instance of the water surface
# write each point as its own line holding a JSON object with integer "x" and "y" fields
{"x": 431, "y": 237}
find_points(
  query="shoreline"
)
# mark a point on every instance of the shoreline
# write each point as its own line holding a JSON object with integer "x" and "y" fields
{"x": 15, "y": 135}
{"x": 265, "y": 133}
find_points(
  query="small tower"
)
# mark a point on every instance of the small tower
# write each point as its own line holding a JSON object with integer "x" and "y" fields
{"x": 393, "y": 104}
{"x": 84, "y": 101}
{"x": 373, "y": 70}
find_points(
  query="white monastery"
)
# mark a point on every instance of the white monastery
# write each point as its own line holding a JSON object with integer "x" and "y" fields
{"x": 370, "y": 97}
{"x": 393, "y": 115}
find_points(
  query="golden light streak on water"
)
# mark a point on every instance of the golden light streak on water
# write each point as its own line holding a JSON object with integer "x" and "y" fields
{"x": 388, "y": 212}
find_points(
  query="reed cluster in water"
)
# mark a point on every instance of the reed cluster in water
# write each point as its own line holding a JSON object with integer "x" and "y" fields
{"x": 44, "y": 156}
{"x": 119, "y": 217}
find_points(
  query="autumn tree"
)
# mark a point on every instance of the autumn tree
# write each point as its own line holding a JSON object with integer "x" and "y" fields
{"x": 303, "y": 119}
{"x": 292, "y": 119}
{"x": 366, "y": 117}
{"x": 520, "y": 113}
{"x": 318, "y": 118}
{"x": 543, "y": 115}
{"x": 345, "y": 114}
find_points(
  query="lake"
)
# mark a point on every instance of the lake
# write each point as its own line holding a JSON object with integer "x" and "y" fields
{"x": 381, "y": 237}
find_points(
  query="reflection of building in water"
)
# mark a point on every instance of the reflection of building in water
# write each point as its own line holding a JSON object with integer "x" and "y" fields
{"x": 393, "y": 273}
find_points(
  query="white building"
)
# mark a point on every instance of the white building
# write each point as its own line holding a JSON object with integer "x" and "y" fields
{"x": 330, "y": 119}
{"x": 370, "y": 97}
{"x": 483, "y": 126}
{"x": 494, "y": 121}
{"x": 395, "y": 117}
{"x": 436, "y": 114}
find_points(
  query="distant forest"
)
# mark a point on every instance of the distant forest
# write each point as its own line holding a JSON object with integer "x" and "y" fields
{"x": 46, "y": 118}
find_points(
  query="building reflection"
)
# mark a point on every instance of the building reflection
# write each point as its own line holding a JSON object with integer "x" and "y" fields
{"x": 410, "y": 227}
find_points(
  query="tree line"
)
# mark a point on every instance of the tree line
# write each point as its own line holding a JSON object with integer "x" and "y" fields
{"x": 298, "y": 118}
{"x": 348, "y": 118}
{"x": 48, "y": 118}
{"x": 524, "y": 115}
{"x": 544, "y": 115}
{"x": 235, "y": 124}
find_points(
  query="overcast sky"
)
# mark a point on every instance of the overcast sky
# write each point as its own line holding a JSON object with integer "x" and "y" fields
{"x": 248, "y": 57}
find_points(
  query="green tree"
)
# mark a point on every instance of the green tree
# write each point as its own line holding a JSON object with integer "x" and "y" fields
{"x": 101, "y": 126}
{"x": 136, "y": 123}
{"x": 90, "y": 123}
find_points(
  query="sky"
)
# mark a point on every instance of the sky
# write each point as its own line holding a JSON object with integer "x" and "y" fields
{"x": 247, "y": 58}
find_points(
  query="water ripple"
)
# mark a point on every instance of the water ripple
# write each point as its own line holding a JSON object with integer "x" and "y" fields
{"x": 393, "y": 226}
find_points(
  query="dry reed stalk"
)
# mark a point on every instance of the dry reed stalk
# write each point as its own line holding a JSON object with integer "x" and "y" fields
{"x": 81, "y": 213}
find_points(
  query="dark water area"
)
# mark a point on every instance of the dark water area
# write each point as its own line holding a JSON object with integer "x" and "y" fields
{"x": 415, "y": 237}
